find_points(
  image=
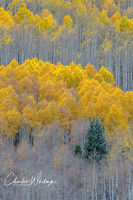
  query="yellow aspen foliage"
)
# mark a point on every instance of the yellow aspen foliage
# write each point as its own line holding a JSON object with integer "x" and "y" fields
{"x": 64, "y": 119}
{"x": 29, "y": 115}
{"x": 116, "y": 16}
{"x": 51, "y": 90}
{"x": 4, "y": 129}
{"x": 115, "y": 119}
{"x": 103, "y": 103}
{"x": 106, "y": 75}
{"x": 127, "y": 102}
{"x": 8, "y": 93}
{"x": 25, "y": 100}
{"x": 9, "y": 73}
{"x": 48, "y": 113}
{"x": 30, "y": 86}
{"x": 23, "y": 15}
{"x": 79, "y": 8}
{"x": 124, "y": 24}
{"x": 99, "y": 77}
{"x": 25, "y": 85}
{"x": 103, "y": 17}
{"x": 41, "y": 23}
{"x": 117, "y": 25}
{"x": 42, "y": 104}
{"x": 68, "y": 21}
{"x": 70, "y": 102}
{"x": 13, "y": 64}
{"x": 87, "y": 85}
{"x": 127, "y": 139}
{"x": 78, "y": 75}
{"x": 47, "y": 22}
{"x": 6, "y": 20}
{"x": 117, "y": 94}
{"x": 13, "y": 118}
{"x": 122, "y": 141}
{"x": 6, "y": 25}
{"x": 106, "y": 45}
{"x": 110, "y": 7}
{"x": 91, "y": 71}
{"x": 89, "y": 110}
{"x": 15, "y": 4}
{"x": 65, "y": 74}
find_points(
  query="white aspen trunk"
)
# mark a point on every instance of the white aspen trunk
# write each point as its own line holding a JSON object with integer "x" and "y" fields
{"x": 117, "y": 178}
{"x": 93, "y": 181}
{"x": 112, "y": 183}
{"x": 129, "y": 181}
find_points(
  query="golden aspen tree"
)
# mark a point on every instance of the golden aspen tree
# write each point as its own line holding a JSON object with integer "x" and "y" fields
{"x": 116, "y": 16}
{"x": 6, "y": 25}
{"x": 106, "y": 75}
{"x": 91, "y": 71}
{"x": 47, "y": 22}
{"x": 68, "y": 22}
{"x": 115, "y": 120}
{"x": 110, "y": 7}
{"x": 103, "y": 17}
{"x": 13, "y": 118}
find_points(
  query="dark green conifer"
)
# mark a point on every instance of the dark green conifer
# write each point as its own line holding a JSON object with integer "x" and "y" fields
{"x": 95, "y": 144}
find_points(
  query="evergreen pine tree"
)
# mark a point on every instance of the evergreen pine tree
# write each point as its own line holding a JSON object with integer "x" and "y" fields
{"x": 78, "y": 149}
{"x": 95, "y": 145}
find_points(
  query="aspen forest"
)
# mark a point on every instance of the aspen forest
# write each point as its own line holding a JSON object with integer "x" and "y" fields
{"x": 66, "y": 100}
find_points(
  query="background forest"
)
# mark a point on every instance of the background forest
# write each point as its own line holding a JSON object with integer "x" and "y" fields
{"x": 66, "y": 99}
{"x": 98, "y": 32}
